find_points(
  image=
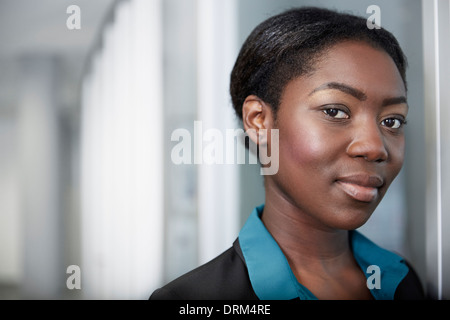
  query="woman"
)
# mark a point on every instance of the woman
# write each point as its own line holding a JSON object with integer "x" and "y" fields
{"x": 336, "y": 92}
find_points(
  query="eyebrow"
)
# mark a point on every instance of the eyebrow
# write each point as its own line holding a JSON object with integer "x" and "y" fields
{"x": 392, "y": 101}
{"x": 358, "y": 94}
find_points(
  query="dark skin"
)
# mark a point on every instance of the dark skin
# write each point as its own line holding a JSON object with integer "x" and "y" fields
{"x": 341, "y": 144}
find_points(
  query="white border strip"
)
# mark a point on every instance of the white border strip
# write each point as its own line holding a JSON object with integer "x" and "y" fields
{"x": 438, "y": 148}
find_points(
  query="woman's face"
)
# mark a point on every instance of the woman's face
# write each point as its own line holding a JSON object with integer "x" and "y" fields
{"x": 341, "y": 135}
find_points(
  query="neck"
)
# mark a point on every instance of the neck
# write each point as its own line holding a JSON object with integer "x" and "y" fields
{"x": 305, "y": 241}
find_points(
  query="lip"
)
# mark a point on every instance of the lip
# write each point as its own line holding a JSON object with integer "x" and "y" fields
{"x": 361, "y": 187}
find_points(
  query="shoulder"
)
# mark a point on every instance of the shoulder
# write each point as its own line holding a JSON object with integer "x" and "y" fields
{"x": 224, "y": 277}
{"x": 410, "y": 288}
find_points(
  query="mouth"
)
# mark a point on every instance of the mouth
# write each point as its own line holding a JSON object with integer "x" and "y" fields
{"x": 361, "y": 187}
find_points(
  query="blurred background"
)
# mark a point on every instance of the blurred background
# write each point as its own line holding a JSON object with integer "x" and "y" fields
{"x": 89, "y": 98}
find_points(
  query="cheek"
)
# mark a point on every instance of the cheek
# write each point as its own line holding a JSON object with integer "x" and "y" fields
{"x": 306, "y": 145}
{"x": 397, "y": 155}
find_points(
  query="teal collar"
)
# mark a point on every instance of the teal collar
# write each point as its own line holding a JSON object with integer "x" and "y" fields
{"x": 272, "y": 278}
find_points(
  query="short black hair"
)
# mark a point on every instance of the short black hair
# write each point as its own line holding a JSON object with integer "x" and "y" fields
{"x": 286, "y": 46}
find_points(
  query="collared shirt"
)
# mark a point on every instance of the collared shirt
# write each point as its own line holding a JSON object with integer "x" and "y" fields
{"x": 272, "y": 277}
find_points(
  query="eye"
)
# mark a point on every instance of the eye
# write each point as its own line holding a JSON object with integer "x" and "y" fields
{"x": 336, "y": 113}
{"x": 393, "y": 123}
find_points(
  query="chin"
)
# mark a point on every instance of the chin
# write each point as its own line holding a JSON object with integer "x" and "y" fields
{"x": 350, "y": 221}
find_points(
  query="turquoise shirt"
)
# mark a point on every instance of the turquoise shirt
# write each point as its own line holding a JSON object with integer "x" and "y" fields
{"x": 272, "y": 278}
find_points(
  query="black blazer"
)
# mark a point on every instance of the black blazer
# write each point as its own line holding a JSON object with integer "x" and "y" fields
{"x": 226, "y": 278}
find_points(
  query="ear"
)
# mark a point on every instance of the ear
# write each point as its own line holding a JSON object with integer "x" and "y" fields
{"x": 257, "y": 115}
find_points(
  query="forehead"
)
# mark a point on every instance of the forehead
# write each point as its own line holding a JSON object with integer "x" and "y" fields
{"x": 356, "y": 64}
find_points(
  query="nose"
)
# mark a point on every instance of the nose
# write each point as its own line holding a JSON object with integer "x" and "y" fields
{"x": 368, "y": 143}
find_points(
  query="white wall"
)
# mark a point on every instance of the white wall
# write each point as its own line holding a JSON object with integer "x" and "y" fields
{"x": 10, "y": 268}
{"x": 436, "y": 16}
